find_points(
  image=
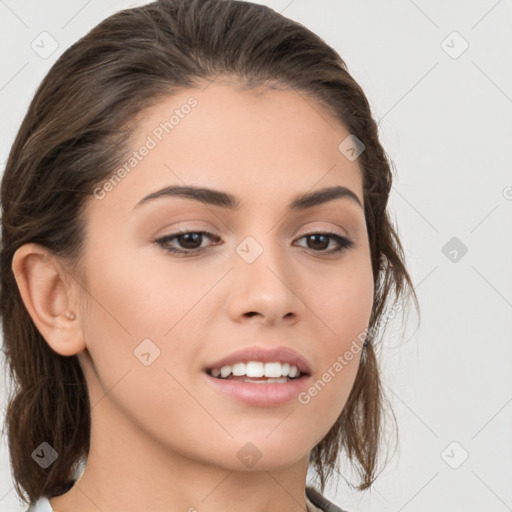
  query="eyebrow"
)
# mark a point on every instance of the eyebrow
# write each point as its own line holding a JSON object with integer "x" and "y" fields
{"x": 228, "y": 201}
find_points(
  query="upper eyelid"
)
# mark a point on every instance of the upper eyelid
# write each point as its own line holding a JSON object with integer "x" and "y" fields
{"x": 187, "y": 229}
{"x": 312, "y": 231}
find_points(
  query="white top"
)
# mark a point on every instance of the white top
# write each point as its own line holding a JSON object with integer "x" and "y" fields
{"x": 43, "y": 505}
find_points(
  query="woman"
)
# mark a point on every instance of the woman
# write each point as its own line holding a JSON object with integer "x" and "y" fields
{"x": 196, "y": 263}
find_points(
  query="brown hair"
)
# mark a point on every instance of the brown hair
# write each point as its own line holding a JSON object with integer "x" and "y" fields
{"x": 76, "y": 132}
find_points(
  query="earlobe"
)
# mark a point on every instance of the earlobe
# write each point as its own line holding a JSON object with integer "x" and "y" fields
{"x": 46, "y": 295}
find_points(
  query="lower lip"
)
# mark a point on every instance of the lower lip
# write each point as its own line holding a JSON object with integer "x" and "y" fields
{"x": 264, "y": 394}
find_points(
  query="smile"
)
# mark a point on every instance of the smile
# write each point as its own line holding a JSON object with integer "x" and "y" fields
{"x": 260, "y": 376}
{"x": 257, "y": 372}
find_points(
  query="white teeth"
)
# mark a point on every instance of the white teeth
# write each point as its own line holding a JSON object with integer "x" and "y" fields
{"x": 225, "y": 371}
{"x": 273, "y": 370}
{"x": 254, "y": 369}
{"x": 239, "y": 369}
{"x": 259, "y": 381}
{"x": 293, "y": 372}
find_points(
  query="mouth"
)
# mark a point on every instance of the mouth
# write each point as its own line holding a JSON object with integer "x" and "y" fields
{"x": 258, "y": 372}
{"x": 260, "y": 376}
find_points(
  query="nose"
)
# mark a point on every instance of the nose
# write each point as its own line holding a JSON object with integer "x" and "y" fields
{"x": 265, "y": 288}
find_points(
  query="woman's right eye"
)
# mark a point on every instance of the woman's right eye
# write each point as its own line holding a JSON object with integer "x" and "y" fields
{"x": 188, "y": 238}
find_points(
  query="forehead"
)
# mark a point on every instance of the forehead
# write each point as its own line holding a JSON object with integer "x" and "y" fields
{"x": 263, "y": 145}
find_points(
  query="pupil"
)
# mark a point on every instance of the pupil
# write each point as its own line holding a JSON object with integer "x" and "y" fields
{"x": 194, "y": 236}
{"x": 316, "y": 238}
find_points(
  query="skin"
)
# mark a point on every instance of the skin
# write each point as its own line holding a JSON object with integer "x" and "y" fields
{"x": 162, "y": 438}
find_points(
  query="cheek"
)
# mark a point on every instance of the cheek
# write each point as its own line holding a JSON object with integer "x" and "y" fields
{"x": 343, "y": 308}
{"x": 144, "y": 322}
{"x": 136, "y": 298}
{"x": 141, "y": 337}
{"x": 342, "y": 302}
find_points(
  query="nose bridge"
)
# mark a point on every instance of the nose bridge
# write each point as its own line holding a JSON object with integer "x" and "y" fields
{"x": 260, "y": 243}
{"x": 264, "y": 278}
{"x": 262, "y": 256}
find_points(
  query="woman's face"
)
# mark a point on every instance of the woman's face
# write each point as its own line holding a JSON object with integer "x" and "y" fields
{"x": 157, "y": 323}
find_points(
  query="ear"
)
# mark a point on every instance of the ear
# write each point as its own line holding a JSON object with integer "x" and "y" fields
{"x": 47, "y": 292}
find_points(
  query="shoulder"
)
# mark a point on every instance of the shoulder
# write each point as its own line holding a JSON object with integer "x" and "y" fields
{"x": 41, "y": 505}
{"x": 321, "y": 502}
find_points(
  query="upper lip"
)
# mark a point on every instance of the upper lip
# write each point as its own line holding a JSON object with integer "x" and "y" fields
{"x": 265, "y": 355}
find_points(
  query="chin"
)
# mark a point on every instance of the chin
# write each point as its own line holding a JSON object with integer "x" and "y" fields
{"x": 272, "y": 453}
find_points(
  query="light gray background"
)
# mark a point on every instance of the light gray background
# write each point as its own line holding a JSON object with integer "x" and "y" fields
{"x": 445, "y": 120}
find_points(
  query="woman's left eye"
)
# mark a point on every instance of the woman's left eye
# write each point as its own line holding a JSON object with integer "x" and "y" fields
{"x": 191, "y": 242}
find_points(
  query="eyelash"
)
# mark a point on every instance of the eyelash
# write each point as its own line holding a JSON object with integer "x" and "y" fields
{"x": 343, "y": 242}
